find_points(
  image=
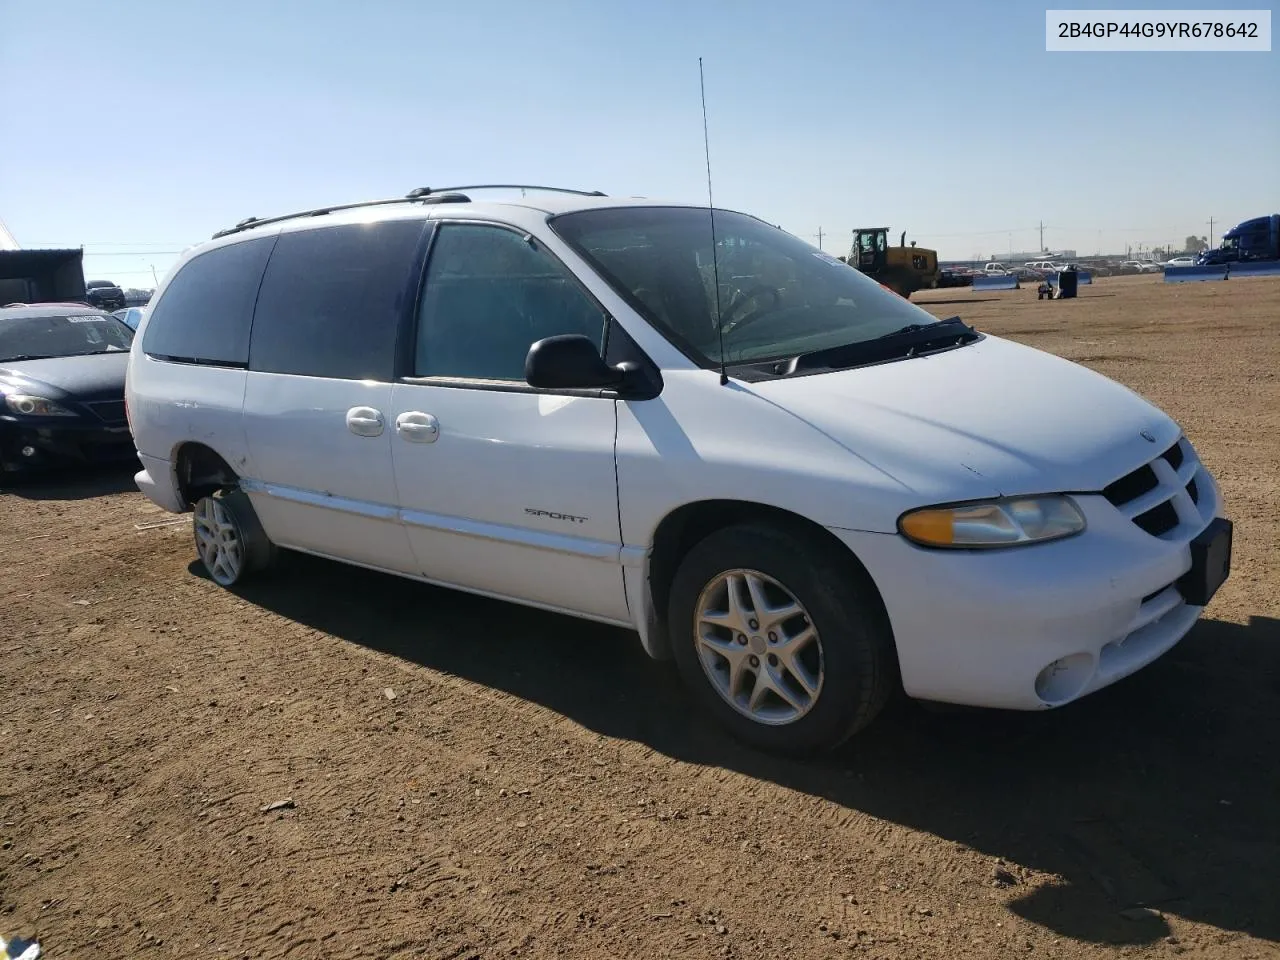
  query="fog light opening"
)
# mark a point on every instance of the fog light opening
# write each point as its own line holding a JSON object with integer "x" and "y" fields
{"x": 1064, "y": 679}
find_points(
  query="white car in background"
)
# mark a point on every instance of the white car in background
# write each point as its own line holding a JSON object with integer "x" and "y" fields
{"x": 129, "y": 316}
{"x": 802, "y": 487}
{"x": 1181, "y": 262}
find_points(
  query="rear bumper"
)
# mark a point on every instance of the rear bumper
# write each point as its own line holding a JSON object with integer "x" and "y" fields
{"x": 49, "y": 445}
{"x": 158, "y": 484}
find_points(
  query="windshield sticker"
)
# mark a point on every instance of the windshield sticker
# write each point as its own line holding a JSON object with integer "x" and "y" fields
{"x": 86, "y": 319}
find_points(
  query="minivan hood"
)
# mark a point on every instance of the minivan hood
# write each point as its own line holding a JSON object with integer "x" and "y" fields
{"x": 990, "y": 419}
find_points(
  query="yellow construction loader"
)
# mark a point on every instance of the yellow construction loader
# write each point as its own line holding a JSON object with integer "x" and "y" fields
{"x": 903, "y": 269}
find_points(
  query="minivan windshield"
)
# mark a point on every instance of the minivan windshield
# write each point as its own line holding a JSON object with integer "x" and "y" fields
{"x": 779, "y": 296}
{"x": 44, "y": 337}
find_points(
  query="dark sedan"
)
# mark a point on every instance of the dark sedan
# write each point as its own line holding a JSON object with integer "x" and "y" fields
{"x": 62, "y": 369}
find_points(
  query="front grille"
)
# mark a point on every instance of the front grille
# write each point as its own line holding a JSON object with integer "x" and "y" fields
{"x": 1131, "y": 486}
{"x": 1158, "y": 520}
{"x": 1161, "y": 494}
{"x": 108, "y": 411}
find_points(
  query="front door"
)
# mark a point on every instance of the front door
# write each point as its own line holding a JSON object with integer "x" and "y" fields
{"x": 504, "y": 489}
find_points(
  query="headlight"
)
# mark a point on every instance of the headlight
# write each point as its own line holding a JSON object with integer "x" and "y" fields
{"x": 993, "y": 523}
{"x": 28, "y": 406}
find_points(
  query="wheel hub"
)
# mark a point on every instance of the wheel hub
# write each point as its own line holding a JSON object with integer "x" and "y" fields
{"x": 758, "y": 647}
{"x": 218, "y": 541}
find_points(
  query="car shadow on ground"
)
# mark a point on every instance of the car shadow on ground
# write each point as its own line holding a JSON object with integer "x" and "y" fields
{"x": 1159, "y": 791}
{"x": 83, "y": 483}
{"x": 930, "y": 303}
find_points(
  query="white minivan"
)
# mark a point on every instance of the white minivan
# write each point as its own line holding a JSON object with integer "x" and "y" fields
{"x": 806, "y": 490}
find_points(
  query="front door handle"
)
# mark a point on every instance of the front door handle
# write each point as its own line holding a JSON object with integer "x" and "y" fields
{"x": 418, "y": 427}
{"x": 365, "y": 421}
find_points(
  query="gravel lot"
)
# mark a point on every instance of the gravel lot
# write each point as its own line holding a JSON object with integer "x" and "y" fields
{"x": 474, "y": 779}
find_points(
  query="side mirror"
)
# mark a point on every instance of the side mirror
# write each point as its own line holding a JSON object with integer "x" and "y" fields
{"x": 568, "y": 362}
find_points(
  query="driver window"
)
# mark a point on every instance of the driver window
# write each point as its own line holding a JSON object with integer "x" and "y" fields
{"x": 489, "y": 296}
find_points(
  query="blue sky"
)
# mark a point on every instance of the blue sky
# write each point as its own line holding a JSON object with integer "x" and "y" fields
{"x": 145, "y": 126}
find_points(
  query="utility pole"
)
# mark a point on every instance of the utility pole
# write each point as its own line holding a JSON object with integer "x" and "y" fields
{"x": 1211, "y": 233}
{"x": 819, "y": 238}
{"x": 1042, "y": 236}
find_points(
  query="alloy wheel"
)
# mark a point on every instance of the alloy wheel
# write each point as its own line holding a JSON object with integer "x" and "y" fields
{"x": 758, "y": 647}
{"x": 218, "y": 541}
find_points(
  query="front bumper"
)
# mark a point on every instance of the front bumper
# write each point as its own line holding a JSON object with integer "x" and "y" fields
{"x": 28, "y": 447}
{"x": 1029, "y": 628}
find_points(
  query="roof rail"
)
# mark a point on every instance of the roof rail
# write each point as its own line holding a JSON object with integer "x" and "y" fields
{"x": 429, "y": 191}
{"x": 49, "y": 303}
{"x": 249, "y": 222}
{"x": 417, "y": 195}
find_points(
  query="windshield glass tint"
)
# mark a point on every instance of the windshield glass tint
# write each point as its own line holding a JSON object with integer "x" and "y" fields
{"x": 62, "y": 336}
{"x": 779, "y": 296}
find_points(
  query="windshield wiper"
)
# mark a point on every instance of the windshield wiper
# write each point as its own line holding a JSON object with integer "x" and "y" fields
{"x": 905, "y": 342}
{"x": 909, "y": 328}
{"x": 24, "y": 356}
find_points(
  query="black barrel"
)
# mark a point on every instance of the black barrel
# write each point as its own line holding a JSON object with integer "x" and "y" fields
{"x": 1067, "y": 282}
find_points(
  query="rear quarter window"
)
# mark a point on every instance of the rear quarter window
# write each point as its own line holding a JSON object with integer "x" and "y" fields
{"x": 332, "y": 300}
{"x": 205, "y": 313}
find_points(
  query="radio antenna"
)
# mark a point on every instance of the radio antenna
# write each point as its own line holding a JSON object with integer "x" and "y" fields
{"x": 715, "y": 259}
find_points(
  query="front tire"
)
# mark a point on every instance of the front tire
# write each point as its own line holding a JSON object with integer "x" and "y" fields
{"x": 230, "y": 543}
{"x": 781, "y": 638}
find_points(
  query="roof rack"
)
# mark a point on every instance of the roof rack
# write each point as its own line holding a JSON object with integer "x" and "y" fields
{"x": 417, "y": 195}
{"x": 429, "y": 191}
{"x": 49, "y": 303}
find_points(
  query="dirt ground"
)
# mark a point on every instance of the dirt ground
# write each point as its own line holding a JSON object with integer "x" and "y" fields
{"x": 474, "y": 779}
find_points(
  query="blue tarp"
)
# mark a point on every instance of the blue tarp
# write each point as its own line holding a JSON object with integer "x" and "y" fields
{"x": 1254, "y": 268}
{"x": 996, "y": 282}
{"x": 1215, "y": 271}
